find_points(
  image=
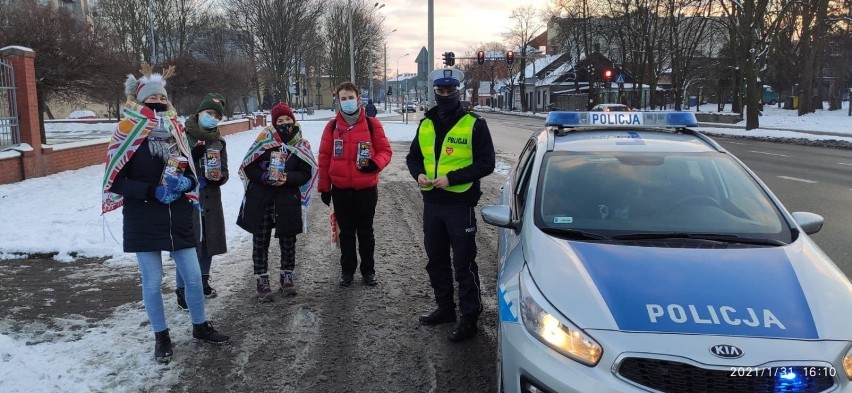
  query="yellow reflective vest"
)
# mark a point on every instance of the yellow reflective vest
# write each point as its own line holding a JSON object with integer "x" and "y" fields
{"x": 456, "y": 150}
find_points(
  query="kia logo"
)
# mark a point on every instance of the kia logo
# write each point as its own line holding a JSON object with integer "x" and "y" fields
{"x": 726, "y": 351}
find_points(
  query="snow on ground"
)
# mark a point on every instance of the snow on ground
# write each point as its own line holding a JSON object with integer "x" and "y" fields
{"x": 61, "y": 212}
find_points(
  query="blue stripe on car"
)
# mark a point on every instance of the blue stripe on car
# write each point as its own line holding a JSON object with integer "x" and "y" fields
{"x": 740, "y": 292}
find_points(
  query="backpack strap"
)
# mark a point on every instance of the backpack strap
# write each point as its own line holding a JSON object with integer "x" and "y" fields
{"x": 333, "y": 123}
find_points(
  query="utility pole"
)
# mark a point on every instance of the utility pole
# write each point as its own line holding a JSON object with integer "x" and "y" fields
{"x": 351, "y": 47}
{"x": 385, "y": 91}
{"x": 431, "y": 48}
{"x": 151, "y": 31}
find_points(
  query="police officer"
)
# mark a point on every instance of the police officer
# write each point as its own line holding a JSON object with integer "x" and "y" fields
{"x": 451, "y": 152}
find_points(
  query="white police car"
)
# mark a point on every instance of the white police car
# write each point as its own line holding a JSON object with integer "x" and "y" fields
{"x": 637, "y": 255}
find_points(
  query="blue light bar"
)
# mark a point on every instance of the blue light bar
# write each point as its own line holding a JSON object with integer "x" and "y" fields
{"x": 621, "y": 119}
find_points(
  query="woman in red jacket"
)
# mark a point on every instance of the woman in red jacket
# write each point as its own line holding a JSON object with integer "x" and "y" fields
{"x": 351, "y": 155}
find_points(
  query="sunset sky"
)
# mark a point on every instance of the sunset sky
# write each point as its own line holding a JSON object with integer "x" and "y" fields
{"x": 460, "y": 26}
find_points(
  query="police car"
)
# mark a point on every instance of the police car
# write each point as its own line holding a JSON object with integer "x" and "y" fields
{"x": 638, "y": 255}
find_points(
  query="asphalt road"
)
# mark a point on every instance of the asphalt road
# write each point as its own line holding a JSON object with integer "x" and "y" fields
{"x": 804, "y": 178}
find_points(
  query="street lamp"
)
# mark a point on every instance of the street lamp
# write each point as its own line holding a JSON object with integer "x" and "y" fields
{"x": 398, "y": 83}
{"x": 386, "y": 68}
{"x": 351, "y": 46}
{"x": 370, "y": 74}
{"x": 376, "y": 6}
{"x": 151, "y": 30}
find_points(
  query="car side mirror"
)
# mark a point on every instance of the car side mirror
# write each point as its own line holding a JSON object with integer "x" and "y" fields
{"x": 810, "y": 222}
{"x": 498, "y": 215}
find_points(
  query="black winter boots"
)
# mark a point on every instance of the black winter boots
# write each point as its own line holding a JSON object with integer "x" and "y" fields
{"x": 163, "y": 347}
{"x": 180, "y": 294}
{"x": 209, "y": 292}
{"x": 206, "y": 332}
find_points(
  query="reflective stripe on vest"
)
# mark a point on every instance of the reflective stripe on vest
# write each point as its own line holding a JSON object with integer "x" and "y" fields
{"x": 456, "y": 150}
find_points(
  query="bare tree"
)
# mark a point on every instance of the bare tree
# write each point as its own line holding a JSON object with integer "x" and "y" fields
{"x": 685, "y": 37}
{"x": 123, "y": 28}
{"x": 69, "y": 63}
{"x": 527, "y": 26}
{"x": 750, "y": 25}
{"x": 813, "y": 19}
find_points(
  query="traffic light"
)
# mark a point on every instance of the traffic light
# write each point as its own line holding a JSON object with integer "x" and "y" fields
{"x": 449, "y": 58}
{"x": 297, "y": 88}
{"x": 608, "y": 73}
{"x": 390, "y": 90}
{"x": 510, "y": 57}
{"x": 480, "y": 57}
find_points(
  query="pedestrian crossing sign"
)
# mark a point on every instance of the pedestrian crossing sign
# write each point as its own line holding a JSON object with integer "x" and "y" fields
{"x": 619, "y": 78}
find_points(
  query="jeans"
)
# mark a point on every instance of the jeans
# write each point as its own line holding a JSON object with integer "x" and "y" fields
{"x": 151, "y": 267}
{"x": 204, "y": 261}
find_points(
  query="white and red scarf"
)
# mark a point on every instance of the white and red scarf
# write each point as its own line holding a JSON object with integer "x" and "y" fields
{"x": 123, "y": 145}
{"x": 269, "y": 139}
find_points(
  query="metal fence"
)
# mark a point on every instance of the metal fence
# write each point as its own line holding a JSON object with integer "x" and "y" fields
{"x": 9, "y": 130}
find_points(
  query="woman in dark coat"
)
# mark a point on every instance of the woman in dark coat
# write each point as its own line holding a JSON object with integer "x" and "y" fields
{"x": 157, "y": 206}
{"x": 211, "y": 158}
{"x": 278, "y": 190}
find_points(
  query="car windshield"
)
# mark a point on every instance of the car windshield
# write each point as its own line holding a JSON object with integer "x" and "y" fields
{"x": 655, "y": 195}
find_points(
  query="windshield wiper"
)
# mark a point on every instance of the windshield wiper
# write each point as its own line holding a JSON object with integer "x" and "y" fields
{"x": 573, "y": 234}
{"x": 700, "y": 236}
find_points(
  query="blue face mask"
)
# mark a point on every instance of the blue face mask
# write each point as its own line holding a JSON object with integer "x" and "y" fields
{"x": 206, "y": 121}
{"x": 349, "y": 106}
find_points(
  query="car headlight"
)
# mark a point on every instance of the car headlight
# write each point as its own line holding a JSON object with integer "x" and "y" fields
{"x": 552, "y": 330}
{"x": 847, "y": 363}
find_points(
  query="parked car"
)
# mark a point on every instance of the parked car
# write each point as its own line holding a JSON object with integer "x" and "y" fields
{"x": 82, "y": 114}
{"x": 467, "y": 105}
{"x": 638, "y": 255}
{"x": 611, "y": 108}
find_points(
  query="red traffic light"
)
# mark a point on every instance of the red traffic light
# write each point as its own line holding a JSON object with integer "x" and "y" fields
{"x": 480, "y": 57}
{"x": 510, "y": 57}
{"x": 608, "y": 74}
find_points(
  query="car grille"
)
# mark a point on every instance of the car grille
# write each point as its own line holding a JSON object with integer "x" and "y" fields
{"x": 675, "y": 377}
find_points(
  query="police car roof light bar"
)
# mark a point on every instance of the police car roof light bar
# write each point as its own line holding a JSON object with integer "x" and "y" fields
{"x": 621, "y": 119}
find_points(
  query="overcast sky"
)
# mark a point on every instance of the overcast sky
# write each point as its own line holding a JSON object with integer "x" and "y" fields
{"x": 460, "y": 26}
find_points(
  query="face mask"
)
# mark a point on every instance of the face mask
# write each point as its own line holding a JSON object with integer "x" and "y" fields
{"x": 447, "y": 103}
{"x": 349, "y": 106}
{"x": 157, "y": 106}
{"x": 207, "y": 121}
{"x": 287, "y": 131}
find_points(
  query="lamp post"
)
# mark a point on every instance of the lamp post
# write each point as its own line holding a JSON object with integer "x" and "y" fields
{"x": 351, "y": 46}
{"x": 398, "y": 84}
{"x": 151, "y": 30}
{"x": 376, "y": 7}
{"x": 386, "y": 68}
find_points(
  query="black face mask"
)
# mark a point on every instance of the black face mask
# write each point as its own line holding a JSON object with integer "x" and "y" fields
{"x": 448, "y": 103}
{"x": 286, "y": 131}
{"x": 157, "y": 106}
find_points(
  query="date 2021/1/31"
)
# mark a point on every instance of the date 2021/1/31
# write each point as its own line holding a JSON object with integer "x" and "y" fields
{"x": 810, "y": 371}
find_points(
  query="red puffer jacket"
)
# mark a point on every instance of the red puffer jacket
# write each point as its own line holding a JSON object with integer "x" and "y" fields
{"x": 341, "y": 170}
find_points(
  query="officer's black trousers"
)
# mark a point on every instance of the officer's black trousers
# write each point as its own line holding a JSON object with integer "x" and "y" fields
{"x": 453, "y": 227}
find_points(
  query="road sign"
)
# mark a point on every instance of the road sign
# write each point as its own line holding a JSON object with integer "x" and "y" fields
{"x": 619, "y": 78}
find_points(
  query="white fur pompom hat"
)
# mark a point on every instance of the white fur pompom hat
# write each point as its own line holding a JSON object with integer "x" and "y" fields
{"x": 148, "y": 84}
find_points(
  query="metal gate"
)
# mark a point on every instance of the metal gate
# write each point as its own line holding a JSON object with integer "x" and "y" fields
{"x": 9, "y": 131}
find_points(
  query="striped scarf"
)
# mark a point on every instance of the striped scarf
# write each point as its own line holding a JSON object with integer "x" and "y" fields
{"x": 131, "y": 131}
{"x": 269, "y": 139}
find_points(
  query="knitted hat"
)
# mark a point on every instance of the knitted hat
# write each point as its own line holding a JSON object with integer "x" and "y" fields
{"x": 212, "y": 101}
{"x": 148, "y": 84}
{"x": 281, "y": 109}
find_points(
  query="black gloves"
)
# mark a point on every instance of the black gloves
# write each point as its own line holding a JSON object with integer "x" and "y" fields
{"x": 369, "y": 168}
{"x": 326, "y": 198}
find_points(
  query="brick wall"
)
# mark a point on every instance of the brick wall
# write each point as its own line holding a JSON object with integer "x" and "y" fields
{"x": 58, "y": 158}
